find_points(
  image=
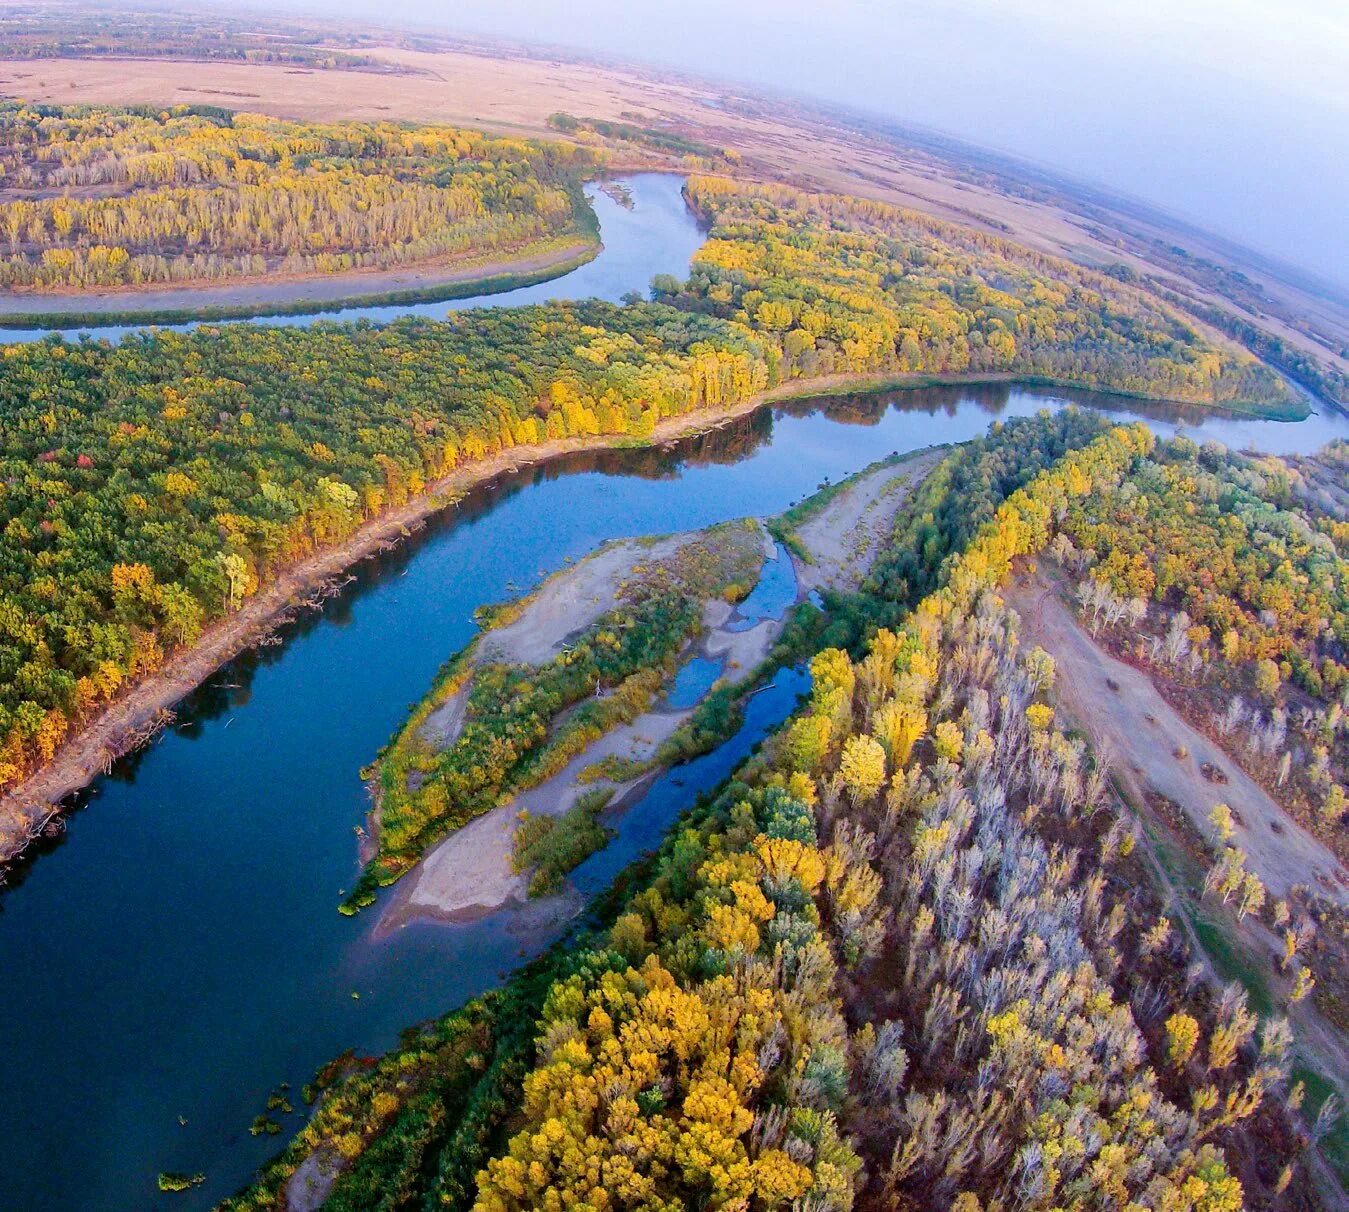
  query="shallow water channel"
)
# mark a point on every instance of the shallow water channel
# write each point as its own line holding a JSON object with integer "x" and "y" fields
{"x": 178, "y": 954}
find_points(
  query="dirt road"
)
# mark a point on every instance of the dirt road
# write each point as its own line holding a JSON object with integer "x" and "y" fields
{"x": 1140, "y": 733}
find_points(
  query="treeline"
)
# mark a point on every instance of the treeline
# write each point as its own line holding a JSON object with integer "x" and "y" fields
{"x": 147, "y": 489}
{"x": 130, "y": 197}
{"x": 1224, "y": 573}
{"x": 1305, "y": 368}
{"x": 641, "y": 136}
{"x": 40, "y": 31}
{"x": 844, "y": 286}
{"x": 905, "y": 959}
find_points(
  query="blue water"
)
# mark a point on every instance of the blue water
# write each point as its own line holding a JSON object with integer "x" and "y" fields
{"x": 692, "y": 682}
{"x": 178, "y": 952}
{"x": 657, "y": 235}
{"x": 642, "y": 826}
{"x": 774, "y": 591}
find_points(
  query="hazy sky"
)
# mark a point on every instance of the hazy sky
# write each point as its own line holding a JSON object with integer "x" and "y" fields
{"x": 1234, "y": 113}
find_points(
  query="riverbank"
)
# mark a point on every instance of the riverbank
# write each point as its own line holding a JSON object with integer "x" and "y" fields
{"x": 469, "y": 874}
{"x": 34, "y": 805}
{"x": 1294, "y": 410}
{"x": 310, "y": 295}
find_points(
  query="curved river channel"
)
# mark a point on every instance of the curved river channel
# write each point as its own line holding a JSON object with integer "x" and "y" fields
{"x": 177, "y": 954}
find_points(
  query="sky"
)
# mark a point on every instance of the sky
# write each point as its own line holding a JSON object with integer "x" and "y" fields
{"x": 1231, "y": 113}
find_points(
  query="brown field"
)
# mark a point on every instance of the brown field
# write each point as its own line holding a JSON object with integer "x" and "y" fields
{"x": 508, "y": 92}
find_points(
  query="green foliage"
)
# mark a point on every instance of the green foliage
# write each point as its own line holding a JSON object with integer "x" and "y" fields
{"x": 843, "y": 286}
{"x": 552, "y": 846}
{"x": 1241, "y": 593}
{"x": 40, "y": 31}
{"x": 637, "y": 136}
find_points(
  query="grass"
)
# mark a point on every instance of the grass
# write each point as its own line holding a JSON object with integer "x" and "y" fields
{"x": 553, "y": 846}
{"x": 1335, "y": 1144}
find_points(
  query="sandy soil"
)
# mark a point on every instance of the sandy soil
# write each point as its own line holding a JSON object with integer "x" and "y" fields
{"x": 514, "y": 94}
{"x": 739, "y": 651}
{"x": 277, "y": 291}
{"x": 313, "y": 1179}
{"x": 26, "y": 808}
{"x": 1139, "y": 732}
{"x": 468, "y": 875}
{"x": 573, "y": 599}
{"x": 443, "y": 724}
{"x": 843, "y": 538}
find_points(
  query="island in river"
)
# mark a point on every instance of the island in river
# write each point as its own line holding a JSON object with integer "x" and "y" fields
{"x": 327, "y": 441}
{"x": 474, "y": 870}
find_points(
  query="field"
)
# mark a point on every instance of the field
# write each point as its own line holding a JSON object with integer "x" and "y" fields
{"x": 507, "y": 92}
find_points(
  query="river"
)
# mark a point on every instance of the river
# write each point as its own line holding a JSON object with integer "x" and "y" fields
{"x": 177, "y": 953}
{"x": 656, "y": 235}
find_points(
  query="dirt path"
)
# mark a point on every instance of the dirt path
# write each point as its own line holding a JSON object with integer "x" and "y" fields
{"x": 844, "y": 538}
{"x": 277, "y": 291}
{"x": 1138, "y": 730}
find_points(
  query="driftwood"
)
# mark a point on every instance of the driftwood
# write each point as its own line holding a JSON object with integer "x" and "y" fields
{"x": 134, "y": 738}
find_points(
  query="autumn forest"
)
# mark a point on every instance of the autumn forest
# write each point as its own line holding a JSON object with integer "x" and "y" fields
{"x": 959, "y": 932}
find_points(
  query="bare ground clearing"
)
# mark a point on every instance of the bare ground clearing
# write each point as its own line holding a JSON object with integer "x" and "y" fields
{"x": 1130, "y": 722}
{"x": 469, "y": 874}
{"x": 571, "y": 600}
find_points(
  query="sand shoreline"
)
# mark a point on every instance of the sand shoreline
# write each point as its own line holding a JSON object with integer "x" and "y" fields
{"x": 122, "y": 725}
{"x": 467, "y": 875}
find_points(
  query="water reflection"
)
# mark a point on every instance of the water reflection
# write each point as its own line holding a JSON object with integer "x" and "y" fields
{"x": 181, "y": 942}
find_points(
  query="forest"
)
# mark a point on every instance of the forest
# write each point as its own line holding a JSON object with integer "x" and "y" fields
{"x": 1208, "y": 568}
{"x": 150, "y": 487}
{"x": 846, "y": 286}
{"x": 97, "y": 197}
{"x": 46, "y": 31}
{"x": 910, "y": 956}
